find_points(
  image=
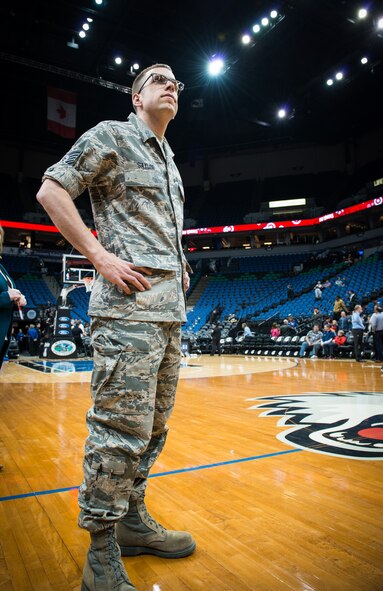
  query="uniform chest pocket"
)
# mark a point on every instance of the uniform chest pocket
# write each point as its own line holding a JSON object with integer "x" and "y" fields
{"x": 143, "y": 178}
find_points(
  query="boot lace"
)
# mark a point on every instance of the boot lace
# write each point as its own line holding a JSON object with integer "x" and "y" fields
{"x": 151, "y": 522}
{"x": 116, "y": 563}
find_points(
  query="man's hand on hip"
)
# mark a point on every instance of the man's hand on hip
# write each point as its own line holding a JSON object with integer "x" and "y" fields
{"x": 121, "y": 273}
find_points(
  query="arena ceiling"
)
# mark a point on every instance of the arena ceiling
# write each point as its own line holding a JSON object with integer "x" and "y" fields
{"x": 287, "y": 65}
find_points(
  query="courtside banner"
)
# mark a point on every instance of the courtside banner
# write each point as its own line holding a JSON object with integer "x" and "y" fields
{"x": 62, "y": 112}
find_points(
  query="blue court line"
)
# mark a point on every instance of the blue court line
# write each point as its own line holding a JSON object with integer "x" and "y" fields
{"x": 158, "y": 474}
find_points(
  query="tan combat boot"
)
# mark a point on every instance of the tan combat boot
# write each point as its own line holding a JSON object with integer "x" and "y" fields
{"x": 139, "y": 533}
{"x": 104, "y": 570}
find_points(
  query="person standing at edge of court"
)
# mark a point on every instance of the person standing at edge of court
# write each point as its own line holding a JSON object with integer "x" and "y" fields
{"x": 357, "y": 328}
{"x": 216, "y": 340}
{"x": 9, "y": 296}
{"x": 137, "y": 305}
{"x": 376, "y": 322}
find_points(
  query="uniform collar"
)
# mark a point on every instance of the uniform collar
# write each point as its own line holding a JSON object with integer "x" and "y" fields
{"x": 146, "y": 133}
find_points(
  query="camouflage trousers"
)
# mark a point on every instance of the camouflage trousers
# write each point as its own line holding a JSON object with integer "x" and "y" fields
{"x": 134, "y": 380}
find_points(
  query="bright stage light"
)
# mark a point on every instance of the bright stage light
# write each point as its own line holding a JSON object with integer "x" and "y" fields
{"x": 380, "y": 24}
{"x": 246, "y": 39}
{"x": 118, "y": 60}
{"x": 339, "y": 75}
{"x": 282, "y": 113}
{"x": 362, "y": 13}
{"x": 364, "y": 60}
{"x": 265, "y": 21}
{"x": 256, "y": 28}
{"x": 273, "y": 14}
{"x": 215, "y": 66}
{"x": 330, "y": 82}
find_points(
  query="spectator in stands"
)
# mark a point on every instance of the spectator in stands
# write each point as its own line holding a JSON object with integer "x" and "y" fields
{"x": 136, "y": 194}
{"x": 331, "y": 347}
{"x": 328, "y": 335}
{"x": 275, "y": 330}
{"x": 287, "y": 330}
{"x": 292, "y": 322}
{"x": 312, "y": 341}
{"x": 290, "y": 292}
{"x": 33, "y": 340}
{"x": 376, "y": 323}
{"x": 344, "y": 322}
{"x": 334, "y": 326}
{"x": 216, "y": 340}
{"x": 247, "y": 331}
{"x": 317, "y": 317}
{"x": 339, "y": 282}
{"x": 318, "y": 291}
{"x": 357, "y": 326}
{"x": 215, "y": 314}
{"x": 339, "y": 305}
{"x": 352, "y": 298}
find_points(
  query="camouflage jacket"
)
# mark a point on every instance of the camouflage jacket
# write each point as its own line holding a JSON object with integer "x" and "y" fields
{"x": 137, "y": 200}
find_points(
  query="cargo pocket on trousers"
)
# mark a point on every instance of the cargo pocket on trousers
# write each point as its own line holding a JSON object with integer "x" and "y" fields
{"x": 120, "y": 383}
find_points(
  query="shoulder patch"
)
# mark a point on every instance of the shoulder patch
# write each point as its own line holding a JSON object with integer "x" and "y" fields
{"x": 71, "y": 157}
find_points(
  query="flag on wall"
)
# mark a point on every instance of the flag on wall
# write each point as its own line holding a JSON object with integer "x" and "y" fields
{"x": 62, "y": 112}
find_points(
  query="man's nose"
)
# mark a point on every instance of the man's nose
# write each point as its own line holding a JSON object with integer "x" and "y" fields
{"x": 170, "y": 85}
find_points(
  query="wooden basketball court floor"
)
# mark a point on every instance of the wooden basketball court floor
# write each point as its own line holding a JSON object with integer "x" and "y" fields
{"x": 284, "y": 497}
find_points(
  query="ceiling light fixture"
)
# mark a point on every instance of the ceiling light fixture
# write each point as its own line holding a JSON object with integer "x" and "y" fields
{"x": 215, "y": 66}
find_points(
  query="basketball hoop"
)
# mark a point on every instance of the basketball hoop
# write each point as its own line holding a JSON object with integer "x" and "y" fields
{"x": 88, "y": 283}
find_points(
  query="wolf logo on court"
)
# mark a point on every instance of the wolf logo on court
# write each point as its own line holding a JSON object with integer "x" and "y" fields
{"x": 345, "y": 424}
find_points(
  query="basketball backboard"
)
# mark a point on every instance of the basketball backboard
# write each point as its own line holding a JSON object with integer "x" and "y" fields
{"x": 75, "y": 268}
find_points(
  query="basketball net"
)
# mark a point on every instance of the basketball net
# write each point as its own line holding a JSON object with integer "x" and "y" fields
{"x": 88, "y": 283}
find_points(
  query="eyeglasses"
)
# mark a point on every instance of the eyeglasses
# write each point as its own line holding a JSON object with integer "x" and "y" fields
{"x": 161, "y": 79}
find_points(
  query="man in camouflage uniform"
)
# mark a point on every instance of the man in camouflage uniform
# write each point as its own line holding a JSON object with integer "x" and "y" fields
{"x": 137, "y": 306}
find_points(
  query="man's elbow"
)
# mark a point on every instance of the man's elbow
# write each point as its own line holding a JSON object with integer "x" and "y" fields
{"x": 42, "y": 195}
{"x": 46, "y": 194}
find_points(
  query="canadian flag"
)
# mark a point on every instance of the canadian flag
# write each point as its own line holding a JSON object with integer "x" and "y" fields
{"x": 62, "y": 112}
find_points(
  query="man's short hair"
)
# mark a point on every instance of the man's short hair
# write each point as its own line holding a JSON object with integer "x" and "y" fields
{"x": 140, "y": 78}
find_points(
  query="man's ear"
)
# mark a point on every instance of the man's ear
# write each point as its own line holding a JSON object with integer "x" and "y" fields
{"x": 136, "y": 100}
